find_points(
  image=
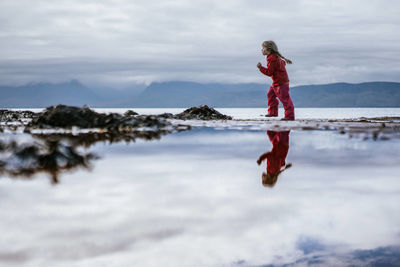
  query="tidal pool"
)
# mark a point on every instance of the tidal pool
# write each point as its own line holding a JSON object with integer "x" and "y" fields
{"x": 197, "y": 198}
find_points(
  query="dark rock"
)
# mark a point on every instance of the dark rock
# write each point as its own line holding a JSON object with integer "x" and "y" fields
{"x": 166, "y": 115}
{"x": 201, "y": 113}
{"x": 12, "y": 116}
{"x": 130, "y": 113}
{"x": 68, "y": 116}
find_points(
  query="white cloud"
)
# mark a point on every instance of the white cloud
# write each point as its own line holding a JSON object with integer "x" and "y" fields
{"x": 204, "y": 41}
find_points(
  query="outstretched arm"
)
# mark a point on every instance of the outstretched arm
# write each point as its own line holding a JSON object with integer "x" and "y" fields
{"x": 263, "y": 157}
{"x": 269, "y": 70}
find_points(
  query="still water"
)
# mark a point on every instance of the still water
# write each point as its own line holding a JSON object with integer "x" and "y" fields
{"x": 198, "y": 198}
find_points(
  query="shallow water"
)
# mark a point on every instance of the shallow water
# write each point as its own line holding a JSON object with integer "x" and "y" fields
{"x": 196, "y": 198}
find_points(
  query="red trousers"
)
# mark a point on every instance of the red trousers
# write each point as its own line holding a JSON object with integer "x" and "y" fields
{"x": 282, "y": 93}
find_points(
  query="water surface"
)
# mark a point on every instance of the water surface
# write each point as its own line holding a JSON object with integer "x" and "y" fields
{"x": 196, "y": 198}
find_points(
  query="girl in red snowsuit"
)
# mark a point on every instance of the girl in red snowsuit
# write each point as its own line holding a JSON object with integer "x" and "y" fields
{"x": 280, "y": 81}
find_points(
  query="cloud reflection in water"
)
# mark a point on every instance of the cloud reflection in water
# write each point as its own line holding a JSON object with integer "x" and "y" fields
{"x": 194, "y": 198}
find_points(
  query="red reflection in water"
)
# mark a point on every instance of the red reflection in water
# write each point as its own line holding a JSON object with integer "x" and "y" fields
{"x": 276, "y": 158}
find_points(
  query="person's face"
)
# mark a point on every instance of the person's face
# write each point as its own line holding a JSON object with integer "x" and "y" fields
{"x": 264, "y": 51}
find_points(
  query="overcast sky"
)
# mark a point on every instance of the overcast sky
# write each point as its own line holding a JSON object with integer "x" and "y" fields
{"x": 118, "y": 42}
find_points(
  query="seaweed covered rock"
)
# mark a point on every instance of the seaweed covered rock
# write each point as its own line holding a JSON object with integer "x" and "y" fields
{"x": 12, "y": 116}
{"x": 69, "y": 116}
{"x": 201, "y": 113}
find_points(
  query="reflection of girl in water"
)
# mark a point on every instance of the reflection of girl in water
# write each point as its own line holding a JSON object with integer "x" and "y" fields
{"x": 276, "y": 157}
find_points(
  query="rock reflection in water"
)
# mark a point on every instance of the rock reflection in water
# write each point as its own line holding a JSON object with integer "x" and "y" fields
{"x": 88, "y": 139}
{"x": 276, "y": 158}
{"x": 52, "y": 156}
{"x": 57, "y": 153}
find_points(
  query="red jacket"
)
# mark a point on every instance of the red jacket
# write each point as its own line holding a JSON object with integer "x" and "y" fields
{"x": 276, "y": 70}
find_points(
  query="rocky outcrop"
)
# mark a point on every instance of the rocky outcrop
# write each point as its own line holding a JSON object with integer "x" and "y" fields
{"x": 201, "y": 113}
{"x": 59, "y": 131}
{"x": 67, "y": 117}
{"x": 130, "y": 113}
{"x": 12, "y": 116}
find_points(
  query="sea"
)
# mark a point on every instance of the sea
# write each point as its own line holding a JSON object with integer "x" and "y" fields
{"x": 209, "y": 197}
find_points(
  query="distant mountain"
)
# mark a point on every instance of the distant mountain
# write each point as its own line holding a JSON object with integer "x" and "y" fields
{"x": 36, "y": 95}
{"x": 186, "y": 94}
{"x": 370, "y": 94}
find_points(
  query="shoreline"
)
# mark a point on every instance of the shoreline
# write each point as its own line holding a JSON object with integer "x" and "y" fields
{"x": 18, "y": 121}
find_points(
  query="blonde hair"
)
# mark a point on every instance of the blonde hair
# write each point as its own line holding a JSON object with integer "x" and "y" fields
{"x": 273, "y": 48}
{"x": 269, "y": 179}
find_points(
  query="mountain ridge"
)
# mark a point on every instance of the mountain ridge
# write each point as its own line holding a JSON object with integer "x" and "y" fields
{"x": 183, "y": 94}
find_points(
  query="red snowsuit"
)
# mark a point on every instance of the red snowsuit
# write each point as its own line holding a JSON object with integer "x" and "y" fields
{"x": 277, "y": 156}
{"x": 280, "y": 86}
